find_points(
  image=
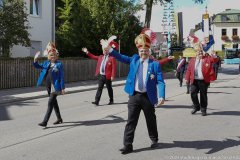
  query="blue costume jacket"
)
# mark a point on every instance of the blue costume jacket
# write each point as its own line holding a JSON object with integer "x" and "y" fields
{"x": 153, "y": 85}
{"x": 57, "y": 74}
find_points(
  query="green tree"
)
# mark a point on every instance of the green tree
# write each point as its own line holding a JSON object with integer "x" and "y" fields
{"x": 13, "y": 25}
{"x": 85, "y": 22}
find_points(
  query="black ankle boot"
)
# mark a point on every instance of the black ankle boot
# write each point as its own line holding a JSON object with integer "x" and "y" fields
{"x": 58, "y": 121}
{"x": 43, "y": 124}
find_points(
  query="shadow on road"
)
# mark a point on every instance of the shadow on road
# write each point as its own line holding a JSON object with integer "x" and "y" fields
{"x": 212, "y": 145}
{"x": 226, "y": 87}
{"x": 219, "y": 93}
{"x": 105, "y": 120}
{"x": 175, "y": 106}
{"x": 4, "y": 115}
{"x": 228, "y": 113}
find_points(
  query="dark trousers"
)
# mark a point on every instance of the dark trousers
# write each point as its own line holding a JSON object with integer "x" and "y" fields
{"x": 188, "y": 88}
{"x": 101, "y": 81}
{"x": 180, "y": 77}
{"x": 136, "y": 103}
{"x": 215, "y": 68}
{"x": 199, "y": 86}
{"x": 52, "y": 104}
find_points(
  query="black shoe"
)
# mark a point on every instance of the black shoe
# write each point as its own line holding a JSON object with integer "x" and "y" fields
{"x": 110, "y": 103}
{"x": 58, "y": 121}
{"x": 126, "y": 149}
{"x": 154, "y": 144}
{"x": 96, "y": 103}
{"x": 43, "y": 124}
{"x": 195, "y": 110}
{"x": 204, "y": 113}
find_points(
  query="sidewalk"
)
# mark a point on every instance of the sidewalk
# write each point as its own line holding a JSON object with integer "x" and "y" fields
{"x": 26, "y": 93}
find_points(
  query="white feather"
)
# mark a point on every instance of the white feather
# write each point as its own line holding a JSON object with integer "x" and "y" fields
{"x": 111, "y": 38}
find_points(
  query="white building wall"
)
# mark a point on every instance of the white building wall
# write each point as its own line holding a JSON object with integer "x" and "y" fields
{"x": 42, "y": 29}
{"x": 217, "y": 32}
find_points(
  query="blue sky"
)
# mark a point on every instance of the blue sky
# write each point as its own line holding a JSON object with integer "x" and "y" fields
{"x": 192, "y": 13}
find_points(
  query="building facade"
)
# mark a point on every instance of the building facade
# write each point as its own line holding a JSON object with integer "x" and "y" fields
{"x": 226, "y": 29}
{"x": 42, "y": 22}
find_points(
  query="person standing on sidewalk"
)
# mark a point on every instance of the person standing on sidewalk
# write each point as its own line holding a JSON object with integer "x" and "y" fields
{"x": 143, "y": 82}
{"x": 217, "y": 65}
{"x": 199, "y": 75}
{"x": 106, "y": 70}
{"x": 52, "y": 72}
{"x": 180, "y": 69}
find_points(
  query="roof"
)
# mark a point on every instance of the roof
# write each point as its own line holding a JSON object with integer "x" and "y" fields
{"x": 232, "y": 16}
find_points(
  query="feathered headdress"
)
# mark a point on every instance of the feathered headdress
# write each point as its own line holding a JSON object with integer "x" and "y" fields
{"x": 143, "y": 41}
{"x": 50, "y": 48}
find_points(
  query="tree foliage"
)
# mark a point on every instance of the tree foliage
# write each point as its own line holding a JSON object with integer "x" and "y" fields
{"x": 13, "y": 25}
{"x": 83, "y": 23}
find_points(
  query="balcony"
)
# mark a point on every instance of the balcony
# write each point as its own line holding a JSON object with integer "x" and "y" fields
{"x": 225, "y": 38}
{"x": 235, "y": 37}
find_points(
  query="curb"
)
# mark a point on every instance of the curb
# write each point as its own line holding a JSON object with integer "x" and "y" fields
{"x": 167, "y": 75}
{"x": 14, "y": 100}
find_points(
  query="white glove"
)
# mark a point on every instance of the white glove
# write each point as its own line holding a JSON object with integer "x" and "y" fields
{"x": 85, "y": 50}
{"x": 112, "y": 38}
{"x": 160, "y": 102}
{"x": 37, "y": 55}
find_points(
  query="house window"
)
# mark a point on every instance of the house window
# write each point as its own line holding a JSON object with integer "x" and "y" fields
{"x": 34, "y": 7}
{"x": 238, "y": 17}
{"x": 224, "y": 18}
{"x": 224, "y": 32}
{"x": 235, "y": 45}
{"x": 223, "y": 47}
{"x": 234, "y": 32}
{"x": 35, "y": 46}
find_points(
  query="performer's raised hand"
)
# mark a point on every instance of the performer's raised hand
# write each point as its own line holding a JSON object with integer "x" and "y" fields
{"x": 37, "y": 55}
{"x": 63, "y": 92}
{"x": 160, "y": 102}
{"x": 170, "y": 57}
{"x": 85, "y": 50}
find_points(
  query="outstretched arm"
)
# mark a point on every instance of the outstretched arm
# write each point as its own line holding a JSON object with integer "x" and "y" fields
{"x": 120, "y": 57}
{"x": 160, "y": 85}
{"x": 90, "y": 55}
{"x": 35, "y": 62}
{"x": 165, "y": 60}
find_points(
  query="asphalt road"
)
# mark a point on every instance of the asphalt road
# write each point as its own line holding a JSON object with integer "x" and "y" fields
{"x": 95, "y": 133}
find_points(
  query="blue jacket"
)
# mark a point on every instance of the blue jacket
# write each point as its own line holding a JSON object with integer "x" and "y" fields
{"x": 153, "y": 86}
{"x": 57, "y": 74}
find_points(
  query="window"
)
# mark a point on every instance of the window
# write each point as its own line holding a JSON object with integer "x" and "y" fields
{"x": 223, "y": 47}
{"x": 224, "y": 32}
{"x": 234, "y": 32}
{"x": 35, "y": 46}
{"x": 224, "y": 18}
{"x": 235, "y": 45}
{"x": 238, "y": 17}
{"x": 34, "y": 7}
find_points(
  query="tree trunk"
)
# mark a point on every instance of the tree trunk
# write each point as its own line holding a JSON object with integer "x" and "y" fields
{"x": 149, "y": 4}
{"x": 5, "y": 50}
